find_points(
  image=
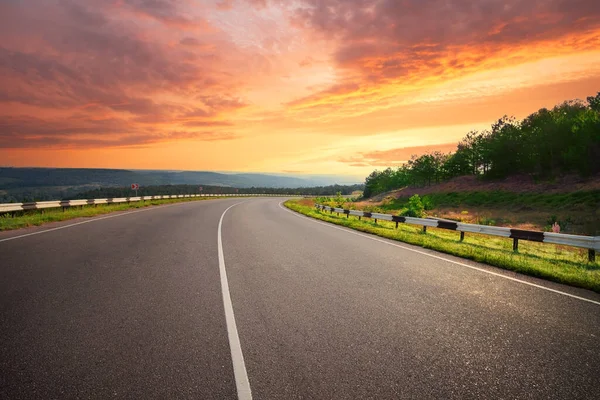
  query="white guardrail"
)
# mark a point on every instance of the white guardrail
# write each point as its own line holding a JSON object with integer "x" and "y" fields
{"x": 592, "y": 243}
{"x": 40, "y": 205}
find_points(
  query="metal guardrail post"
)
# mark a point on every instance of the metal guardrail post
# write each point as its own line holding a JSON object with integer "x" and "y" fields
{"x": 592, "y": 244}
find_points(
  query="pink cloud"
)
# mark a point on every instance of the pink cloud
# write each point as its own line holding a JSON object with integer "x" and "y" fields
{"x": 82, "y": 56}
{"x": 394, "y": 157}
{"x": 400, "y": 42}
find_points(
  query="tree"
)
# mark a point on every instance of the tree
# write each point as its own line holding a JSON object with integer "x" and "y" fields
{"x": 594, "y": 102}
{"x": 505, "y": 148}
{"x": 562, "y": 140}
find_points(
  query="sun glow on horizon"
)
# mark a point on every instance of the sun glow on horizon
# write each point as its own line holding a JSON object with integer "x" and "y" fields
{"x": 251, "y": 85}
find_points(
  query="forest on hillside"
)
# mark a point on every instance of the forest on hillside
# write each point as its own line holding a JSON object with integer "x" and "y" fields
{"x": 41, "y": 184}
{"x": 547, "y": 143}
{"x": 109, "y": 192}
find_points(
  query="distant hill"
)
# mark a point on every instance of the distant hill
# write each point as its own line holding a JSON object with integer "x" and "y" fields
{"x": 123, "y": 191}
{"x": 28, "y": 184}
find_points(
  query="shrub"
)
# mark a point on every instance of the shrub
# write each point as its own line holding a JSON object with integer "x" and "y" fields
{"x": 554, "y": 223}
{"x": 550, "y": 221}
{"x": 339, "y": 200}
{"x": 428, "y": 203}
{"x": 487, "y": 221}
{"x": 415, "y": 207}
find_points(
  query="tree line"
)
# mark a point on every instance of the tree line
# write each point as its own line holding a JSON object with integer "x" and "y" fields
{"x": 154, "y": 190}
{"x": 562, "y": 140}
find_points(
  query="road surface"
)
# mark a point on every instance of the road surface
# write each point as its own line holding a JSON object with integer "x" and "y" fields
{"x": 134, "y": 306}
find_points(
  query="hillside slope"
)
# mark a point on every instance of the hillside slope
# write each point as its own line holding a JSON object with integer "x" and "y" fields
{"x": 513, "y": 184}
{"x": 517, "y": 201}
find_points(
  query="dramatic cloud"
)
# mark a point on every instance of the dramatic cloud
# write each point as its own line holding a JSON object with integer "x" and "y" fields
{"x": 261, "y": 83}
{"x": 168, "y": 12}
{"x": 408, "y": 42}
{"x": 69, "y": 55}
{"x": 394, "y": 157}
{"x": 31, "y": 132}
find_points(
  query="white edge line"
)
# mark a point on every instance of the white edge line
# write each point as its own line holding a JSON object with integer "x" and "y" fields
{"x": 331, "y": 225}
{"x": 237, "y": 357}
{"x": 82, "y": 222}
{"x": 94, "y": 220}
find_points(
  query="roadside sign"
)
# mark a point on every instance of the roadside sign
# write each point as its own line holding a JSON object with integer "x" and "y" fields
{"x": 200, "y": 188}
{"x": 135, "y": 186}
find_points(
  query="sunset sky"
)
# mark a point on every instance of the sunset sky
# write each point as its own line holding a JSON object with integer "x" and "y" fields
{"x": 299, "y": 86}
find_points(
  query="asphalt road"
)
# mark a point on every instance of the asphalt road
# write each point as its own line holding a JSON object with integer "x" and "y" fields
{"x": 132, "y": 307}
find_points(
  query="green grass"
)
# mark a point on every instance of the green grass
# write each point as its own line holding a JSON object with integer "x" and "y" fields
{"x": 502, "y": 199}
{"x": 552, "y": 262}
{"x": 40, "y": 217}
{"x": 577, "y": 212}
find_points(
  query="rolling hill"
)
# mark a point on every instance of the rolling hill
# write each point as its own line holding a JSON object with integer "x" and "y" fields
{"x": 26, "y": 184}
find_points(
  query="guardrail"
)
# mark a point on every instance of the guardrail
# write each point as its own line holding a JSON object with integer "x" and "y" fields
{"x": 592, "y": 243}
{"x": 41, "y": 205}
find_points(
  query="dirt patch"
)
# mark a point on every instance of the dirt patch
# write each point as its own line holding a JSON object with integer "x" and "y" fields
{"x": 537, "y": 220}
{"x": 307, "y": 202}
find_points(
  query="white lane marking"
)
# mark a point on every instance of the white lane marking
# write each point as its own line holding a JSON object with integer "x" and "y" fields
{"x": 93, "y": 220}
{"x": 237, "y": 357}
{"x": 438, "y": 257}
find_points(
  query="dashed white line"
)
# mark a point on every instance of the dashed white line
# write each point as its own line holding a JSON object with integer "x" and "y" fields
{"x": 440, "y": 258}
{"x": 239, "y": 367}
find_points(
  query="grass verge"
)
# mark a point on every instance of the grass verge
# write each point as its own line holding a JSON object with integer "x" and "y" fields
{"x": 557, "y": 263}
{"x": 39, "y": 217}
{"x": 577, "y": 212}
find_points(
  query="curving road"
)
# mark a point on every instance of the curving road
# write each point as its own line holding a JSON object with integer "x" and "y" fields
{"x": 137, "y": 306}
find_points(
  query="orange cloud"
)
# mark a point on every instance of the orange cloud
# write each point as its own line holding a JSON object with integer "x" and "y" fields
{"x": 387, "y": 47}
{"x": 86, "y": 63}
{"x": 262, "y": 84}
{"x": 170, "y": 13}
{"x": 394, "y": 157}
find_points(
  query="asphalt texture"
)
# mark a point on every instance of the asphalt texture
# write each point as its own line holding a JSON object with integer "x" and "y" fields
{"x": 130, "y": 307}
